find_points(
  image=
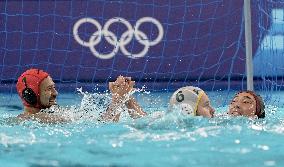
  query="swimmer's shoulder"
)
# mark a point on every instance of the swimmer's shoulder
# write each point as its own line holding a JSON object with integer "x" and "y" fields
{"x": 50, "y": 118}
{"x": 42, "y": 117}
{"x": 23, "y": 116}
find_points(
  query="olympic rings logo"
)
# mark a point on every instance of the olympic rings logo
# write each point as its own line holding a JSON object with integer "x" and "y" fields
{"x": 125, "y": 38}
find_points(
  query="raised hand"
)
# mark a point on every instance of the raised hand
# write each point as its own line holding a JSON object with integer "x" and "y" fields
{"x": 121, "y": 87}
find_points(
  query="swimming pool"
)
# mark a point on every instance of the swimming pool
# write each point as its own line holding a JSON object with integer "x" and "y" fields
{"x": 156, "y": 140}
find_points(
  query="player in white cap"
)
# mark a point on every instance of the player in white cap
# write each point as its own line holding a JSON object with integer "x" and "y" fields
{"x": 192, "y": 101}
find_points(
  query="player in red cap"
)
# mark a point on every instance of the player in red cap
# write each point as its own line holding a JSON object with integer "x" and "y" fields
{"x": 37, "y": 91}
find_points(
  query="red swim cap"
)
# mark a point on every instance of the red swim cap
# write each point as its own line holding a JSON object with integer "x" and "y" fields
{"x": 31, "y": 79}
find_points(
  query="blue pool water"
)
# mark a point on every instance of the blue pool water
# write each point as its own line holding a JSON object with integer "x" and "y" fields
{"x": 157, "y": 140}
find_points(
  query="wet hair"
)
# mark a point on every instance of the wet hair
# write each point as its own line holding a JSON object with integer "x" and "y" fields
{"x": 260, "y": 112}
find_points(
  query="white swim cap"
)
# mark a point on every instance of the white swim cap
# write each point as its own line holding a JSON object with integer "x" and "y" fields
{"x": 187, "y": 98}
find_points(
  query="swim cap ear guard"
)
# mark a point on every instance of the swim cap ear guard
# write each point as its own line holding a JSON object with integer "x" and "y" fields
{"x": 186, "y": 109}
{"x": 28, "y": 87}
{"x": 28, "y": 94}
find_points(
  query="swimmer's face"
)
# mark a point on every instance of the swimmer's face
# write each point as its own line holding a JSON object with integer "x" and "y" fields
{"x": 204, "y": 107}
{"x": 48, "y": 92}
{"x": 243, "y": 104}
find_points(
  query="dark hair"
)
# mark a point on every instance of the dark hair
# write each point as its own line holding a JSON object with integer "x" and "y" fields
{"x": 260, "y": 112}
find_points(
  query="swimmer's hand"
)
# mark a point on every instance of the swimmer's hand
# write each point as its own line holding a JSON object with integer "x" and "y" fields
{"x": 121, "y": 87}
{"x": 121, "y": 96}
{"x": 119, "y": 90}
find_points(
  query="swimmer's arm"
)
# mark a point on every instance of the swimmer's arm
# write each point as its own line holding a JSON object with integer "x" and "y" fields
{"x": 109, "y": 114}
{"x": 134, "y": 109}
{"x": 50, "y": 118}
{"x": 44, "y": 118}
